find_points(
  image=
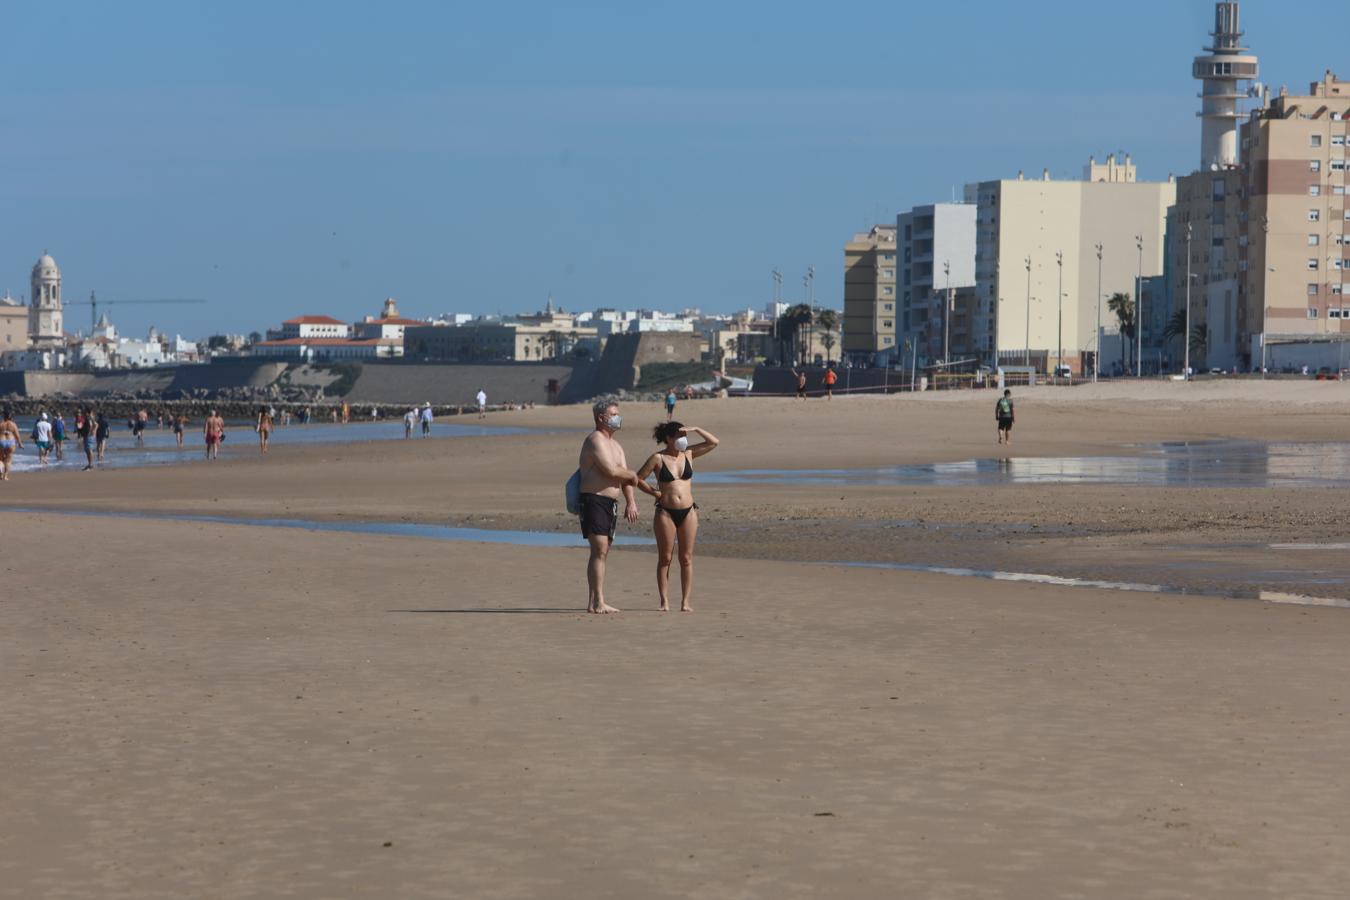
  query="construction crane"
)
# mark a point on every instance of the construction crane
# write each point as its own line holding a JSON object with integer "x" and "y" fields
{"x": 94, "y": 303}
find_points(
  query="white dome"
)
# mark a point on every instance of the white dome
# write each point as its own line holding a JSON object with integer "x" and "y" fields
{"x": 44, "y": 263}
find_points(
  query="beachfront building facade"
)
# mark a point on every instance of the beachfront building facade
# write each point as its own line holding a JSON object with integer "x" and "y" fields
{"x": 1297, "y": 266}
{"x": 388, "y": 325}
{"x": 870, "y": 302}
{"x": 325, "y": 327}
{"x": 935, "y": 248}
{"x": 13, "y": 324}
{"x": 1037, "y": 287}
{"x": 490, "y": 340}
{"x": 329, "y": 349}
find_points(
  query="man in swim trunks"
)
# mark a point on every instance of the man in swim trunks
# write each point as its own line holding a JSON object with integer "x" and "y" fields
{"x": 42, "y": 435}
{"x": 9, "y": 442}
{"x": 214, "y": 430}
{"x": 801, "y": 384}
{"x": 59, "y": 437}
{"x": 1003, "y": 412}
{"x": 605, "y": 477}
{"x": 84, "y": 429}
{"x": 831, "y": 378}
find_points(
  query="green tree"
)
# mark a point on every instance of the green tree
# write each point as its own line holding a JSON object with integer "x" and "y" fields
{"x": 828, "y": 320}
{"x": 799, "y": 317}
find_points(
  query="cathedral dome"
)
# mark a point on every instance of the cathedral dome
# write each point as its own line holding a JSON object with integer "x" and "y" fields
{"x": 46, "y": 264}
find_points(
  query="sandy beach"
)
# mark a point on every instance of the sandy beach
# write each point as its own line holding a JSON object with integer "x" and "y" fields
{"x": 227, "y": 710}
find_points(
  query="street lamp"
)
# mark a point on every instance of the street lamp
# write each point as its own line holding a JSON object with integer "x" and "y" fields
{"x": 1059, "y": 360}
{"x": 1186, "y": 338}
{"x": 1097, "y": 360}
{"x": 1026, "y": 360}
{"x": 947, "y": 314}
{"x": 1139, "y": 311}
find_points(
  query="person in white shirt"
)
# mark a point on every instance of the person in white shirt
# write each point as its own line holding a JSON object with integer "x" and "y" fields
{"x": 409, "y": 420}
{"x": 482, "y": 404}
{"x": 426, "y": 420}
{"x": 42, "y": 433}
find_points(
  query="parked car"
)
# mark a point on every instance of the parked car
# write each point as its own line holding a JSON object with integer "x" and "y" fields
{"x": 1063, "y": 371}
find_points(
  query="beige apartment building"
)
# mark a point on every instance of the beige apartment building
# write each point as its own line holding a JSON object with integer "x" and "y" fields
{"x": 870, "y": 303}
{"x": 1298, "y": 255}
{"x": 1031, "y": 233}
{"x": 13, "y": 324}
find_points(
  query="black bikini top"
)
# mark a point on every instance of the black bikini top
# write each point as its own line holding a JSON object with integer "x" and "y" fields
{"x": 666, "y": 476}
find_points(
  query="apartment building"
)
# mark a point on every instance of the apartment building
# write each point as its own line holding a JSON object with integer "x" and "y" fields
{"x": 1209, "y": 225}
{"x": 870, "y": 302}
{"x": 1036, "y": 261}
{"x": 936, "y": 246}
{"x": 1297, "y": 269}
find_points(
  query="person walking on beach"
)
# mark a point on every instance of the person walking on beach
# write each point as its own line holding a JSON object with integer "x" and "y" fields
{"x": 264, "y": 428}
{"x": 102, "y": 430}
{"x": 1003, "y": 412}
{"x": 42, "y": 436}
{"x": 670, "y": 404}
{"x": 214, "y": 431}
{"x": 409, "y": 423}
{"x": 179, "y": 427}
{"x": 59, "y": 437}
{"x": 427, "y": 416}
{"x": 676, "y": 521}
{"x": 801, "y": 384}
{"x": 831, "y": 378}
{"x": 84, "y": 430}
{"x": 346, "y": 413}
{"x": 482, "y": 403}
{"x": 9, "y": 442}
{"x": 605, "y": 477}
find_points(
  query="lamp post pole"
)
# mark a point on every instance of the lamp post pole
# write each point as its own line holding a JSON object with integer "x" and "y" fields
{"x": 1059, "y": 360}
{"x": 1097, "y": 360}
{"x": 1139, "y": 311}
{"x": 1026, "y": 360}
{"x": 1186, "y": 338}
{"x": 947, "y": 313}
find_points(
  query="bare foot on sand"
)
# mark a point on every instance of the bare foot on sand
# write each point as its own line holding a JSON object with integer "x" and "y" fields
{"x": 603, "y": 609}
{"x": 664, "y": 607}
{"x": 686, "y": 608}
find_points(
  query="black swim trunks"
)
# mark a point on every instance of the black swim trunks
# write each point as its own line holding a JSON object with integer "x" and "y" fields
{"x": 1005, "y": 424}
{"x": 599, "y": 515}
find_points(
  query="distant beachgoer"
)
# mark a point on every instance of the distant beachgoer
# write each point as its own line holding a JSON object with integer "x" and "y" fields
{"x": 42, "y": 436}
{"x": 605, "y": 477}
{"x": 264, "y": 428}
{"x": 84, "y": 430}
{"x": 830, "y": 380}
{"x": 214, "y": 432}
{"x": 409, "y": 423}
{"x": 427, "y": 416}
{"x": 102, "y": 431}
{"x": 138, "y": 428}
{"x": 179, "y": 427}
{"x": 374, "y": 414}
{"x": 676, "y": 519}
{"x": 801, "y": 384}
{"x": 670, "y": 404}
{"x": 59, "y": 437}
{"x": 9, "y": 442}
{"x": 482, "y": 404}
{"x": 1003, "y": 412}
{"x": 346, "y": 413}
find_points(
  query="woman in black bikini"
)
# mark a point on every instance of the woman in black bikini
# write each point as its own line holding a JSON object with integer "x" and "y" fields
{"x": 676, "y": 519}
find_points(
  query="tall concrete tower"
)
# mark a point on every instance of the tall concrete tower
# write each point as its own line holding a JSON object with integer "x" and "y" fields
{"x": 44, "y": 305}
{"x": 1224, "y": 67}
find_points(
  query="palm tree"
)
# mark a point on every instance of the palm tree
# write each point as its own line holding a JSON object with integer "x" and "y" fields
{"x": 1123, "y": 307}
{"x": 1199, "y": 339}
{"x": 829, "y": 323}
{"x": 799, "y": 316}
{"x": 1176, "y": 326}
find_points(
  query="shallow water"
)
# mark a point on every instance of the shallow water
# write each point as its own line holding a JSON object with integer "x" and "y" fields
{"x": 1209, "y": 464}
{"x": 390, "y": 529}
{"x": 161, "y": 448}
{"x": 1280, "y": 597}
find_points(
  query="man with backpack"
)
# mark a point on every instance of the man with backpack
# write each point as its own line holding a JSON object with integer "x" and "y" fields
{"x": 1003, "y": 412}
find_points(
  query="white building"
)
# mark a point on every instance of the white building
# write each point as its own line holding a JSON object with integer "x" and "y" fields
{"x": 44, "y": 311}
{"x": 935, "y": 250}
{"x": 387, "y": 325}
{"x": 314, "y": 327}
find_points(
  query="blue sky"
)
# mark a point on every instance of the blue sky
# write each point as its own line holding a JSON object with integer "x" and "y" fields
{"x": 289, "y": 157}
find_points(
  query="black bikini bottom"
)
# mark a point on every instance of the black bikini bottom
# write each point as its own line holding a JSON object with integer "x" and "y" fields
{"x": 677, "y": 515}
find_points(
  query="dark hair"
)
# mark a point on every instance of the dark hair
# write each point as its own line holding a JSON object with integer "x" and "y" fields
{"x": 1007, "y": 391}
{"x": 667, "y": 430}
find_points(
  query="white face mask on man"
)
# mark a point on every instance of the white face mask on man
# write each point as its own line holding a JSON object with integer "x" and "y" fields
{"x": 614, "y": 423}
{"x": 682, "y": 443}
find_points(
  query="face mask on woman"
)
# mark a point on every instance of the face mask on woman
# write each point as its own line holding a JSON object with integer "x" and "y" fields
{"x": 682, "y": 444}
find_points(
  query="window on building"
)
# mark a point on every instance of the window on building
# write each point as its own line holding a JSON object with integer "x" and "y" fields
{"x": 1333, "y": 314}
{"x": 1312, "y": 290}
{"x": 1312, "y": 265}
{"x": 1314, "y": 165}
{"x": 1336, "y": 289}
{"x": 888, "y": 273}
{"x": 1338, "y": 264}
{"x": 1218, "y": 189}
{"x": 1314, "y": 215}
{"x": 1338, "y": 165}
{"x": 1314, "y": 190}
{"x": 888, "y": 291}
{"x": 888, "y": 306}
{"x": 1338, "y": 140}
{"x": 889, "y": 257}
{"x": 1312, "y": 312}
{"x": 1338, "y": 190}
{"x": 888, "y": 341}
{"x": 1315, "y": 140}
{"x": 1314, "y": 240}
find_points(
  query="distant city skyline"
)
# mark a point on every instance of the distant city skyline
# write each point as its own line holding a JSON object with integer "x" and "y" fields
{"x": 279, "y": 163}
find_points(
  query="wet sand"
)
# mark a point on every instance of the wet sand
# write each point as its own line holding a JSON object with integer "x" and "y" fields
{"x": 231, "y": 711}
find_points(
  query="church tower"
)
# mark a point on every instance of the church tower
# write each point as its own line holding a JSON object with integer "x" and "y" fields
{"x": 44, "y": 307}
